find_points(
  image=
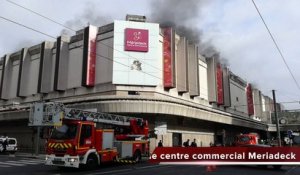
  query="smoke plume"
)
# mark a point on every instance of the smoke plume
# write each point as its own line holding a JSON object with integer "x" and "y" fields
{"x": 182, "y": 15}
{"x": 24, "y": 43}
{"x": 90, "y": 16}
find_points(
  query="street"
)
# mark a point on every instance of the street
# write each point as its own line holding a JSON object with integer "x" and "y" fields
{"x": 32, "y": 166}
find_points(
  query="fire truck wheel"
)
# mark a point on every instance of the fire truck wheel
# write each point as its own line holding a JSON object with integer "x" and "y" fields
{"x": 1, "y": 147}
{"x": 137, "y": 157}
{"x": 91, "y": 162}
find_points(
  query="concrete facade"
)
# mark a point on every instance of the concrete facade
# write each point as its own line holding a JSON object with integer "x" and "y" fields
{"x": 203, "y": 85}
{"x": 137, "y": 68}
{"x": 267, "y": 108}
{"x": 238, "y": 94}
{"x": 211, "y": 80}
{"x": 257, "y": 100}
{"x": 182, "y": 64}
{"x": 93, "y": 70}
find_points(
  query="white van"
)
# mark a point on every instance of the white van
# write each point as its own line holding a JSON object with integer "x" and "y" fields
{"x": 8, "y": 144}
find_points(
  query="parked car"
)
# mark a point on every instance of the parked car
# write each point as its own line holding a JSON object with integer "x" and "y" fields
{"x": 8, "y": 144}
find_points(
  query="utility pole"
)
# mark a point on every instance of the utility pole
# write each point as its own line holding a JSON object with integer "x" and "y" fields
{"x": 276, "y": 118}
{"x": 37, "y": 140}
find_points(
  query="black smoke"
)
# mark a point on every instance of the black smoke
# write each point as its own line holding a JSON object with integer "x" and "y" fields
{"x": 90, "y": 16}
{"x": 183, "y": 15}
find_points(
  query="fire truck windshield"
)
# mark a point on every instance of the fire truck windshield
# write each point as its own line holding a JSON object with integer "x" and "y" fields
{"x": 244, "y": 139}
{"x": 66, "y": 131}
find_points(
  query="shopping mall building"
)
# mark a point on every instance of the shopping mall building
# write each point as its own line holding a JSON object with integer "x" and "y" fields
{"x": 132, "y": 68}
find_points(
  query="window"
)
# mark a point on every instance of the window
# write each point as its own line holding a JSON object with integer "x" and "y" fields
{"x": 177, "y": 139}
{"x": 244, "y": 139}
{"x": 133, "y": 93}
{"x": 86, "y": 132}
{"x": 66, "y": 131}
{"x": 237, "y": 98}
{"x": 11, "y": 141}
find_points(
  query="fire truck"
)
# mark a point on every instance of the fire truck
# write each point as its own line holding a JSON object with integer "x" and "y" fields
{"x": 246, "y": 139}
{"x": 252, "y": 140}
{"x": 82, "y": 138}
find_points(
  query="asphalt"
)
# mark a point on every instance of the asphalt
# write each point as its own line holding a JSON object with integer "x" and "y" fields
{"x": 28, "y": 155}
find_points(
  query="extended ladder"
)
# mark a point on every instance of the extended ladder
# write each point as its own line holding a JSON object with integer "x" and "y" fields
{"x": 51, "y": 114}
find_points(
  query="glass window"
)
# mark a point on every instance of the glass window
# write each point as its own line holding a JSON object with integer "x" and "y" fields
{"x": 66, "y": 131}
{"x": 11, "y": 142}
{"x": 244, "y": 139}
{"x": 86, "y": 132}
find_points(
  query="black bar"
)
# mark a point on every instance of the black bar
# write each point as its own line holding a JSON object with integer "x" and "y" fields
{"x": 85, "y": 56}
{"x": 20, "y": 73}
{"x": 2, "y": 77}
{"x": 276, "y": 118}
{"x": 57, "y": 60}
{"x": 41, "y": 67}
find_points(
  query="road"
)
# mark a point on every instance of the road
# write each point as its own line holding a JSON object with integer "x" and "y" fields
{"x": 31, "y": 166}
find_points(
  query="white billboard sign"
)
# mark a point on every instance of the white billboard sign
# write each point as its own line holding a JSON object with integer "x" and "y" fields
{"x": 160, "y": 128}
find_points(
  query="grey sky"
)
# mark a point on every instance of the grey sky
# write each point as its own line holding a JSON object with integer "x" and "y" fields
{"x": 233, "y": 27}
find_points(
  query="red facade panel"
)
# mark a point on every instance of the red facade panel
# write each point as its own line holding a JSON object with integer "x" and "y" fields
{"x": 220, "y": 91}
{"x": 90, "y": 81}
{"x": 168, "y": 58}
{"x": 89, "y": 56}
{"x": 250, "y": 100}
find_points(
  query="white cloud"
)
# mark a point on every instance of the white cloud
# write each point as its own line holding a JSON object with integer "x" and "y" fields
{"x": 238, "y": 32}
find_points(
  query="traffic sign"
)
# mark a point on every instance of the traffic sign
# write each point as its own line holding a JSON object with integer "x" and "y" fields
{"x": 160, "y": 128}
{"x": 290, "y": 133}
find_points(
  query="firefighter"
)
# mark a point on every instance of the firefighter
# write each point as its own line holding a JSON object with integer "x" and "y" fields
{"x": 5, "y": 143}
{"x": 160, "y": 144}
{"x": 186, "y": 143}
{"x": 194, "y": 144}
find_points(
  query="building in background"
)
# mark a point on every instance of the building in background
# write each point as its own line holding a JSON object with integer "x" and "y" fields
{"x": 132, "y": 68}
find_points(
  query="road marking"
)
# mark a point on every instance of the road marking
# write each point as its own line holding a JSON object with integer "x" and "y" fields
{"x": 33, "y": 161}
{"x": 30, "y": 163}
{"x": 26, "y": 161}
{"x": 11, "y": 155}
{"x": 291, "y": 169}
{"x": 13, "y": 164}
{"x": 21, "y": 162}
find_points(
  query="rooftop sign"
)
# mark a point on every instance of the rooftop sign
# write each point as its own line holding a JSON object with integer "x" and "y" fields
{"x": 136, "y": 40}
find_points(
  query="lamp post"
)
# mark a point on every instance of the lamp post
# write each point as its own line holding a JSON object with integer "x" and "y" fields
{"x": 276, "y": 118}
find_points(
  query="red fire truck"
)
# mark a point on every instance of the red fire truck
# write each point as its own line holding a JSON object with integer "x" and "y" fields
{"x": 87, "y": 139}
{"x": 252, "y": 140}
{"x": 246, "y": 139}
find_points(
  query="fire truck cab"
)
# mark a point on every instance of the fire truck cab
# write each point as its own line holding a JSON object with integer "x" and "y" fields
{"x": 246, "y": 139}
{"x": 251, "y": 140}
